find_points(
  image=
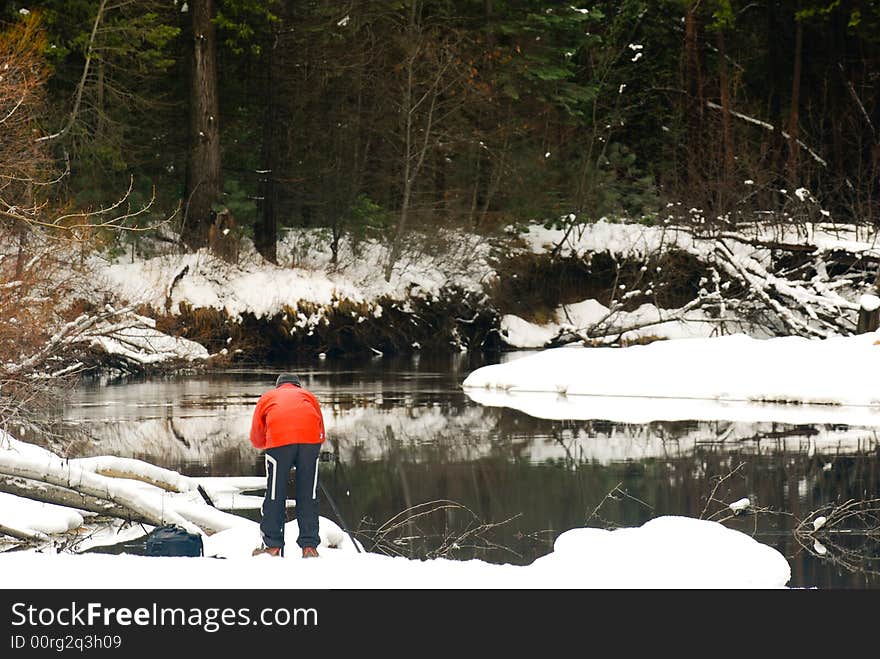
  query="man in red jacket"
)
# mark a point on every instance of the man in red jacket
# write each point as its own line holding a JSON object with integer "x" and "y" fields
{"x": 289, "y": 427}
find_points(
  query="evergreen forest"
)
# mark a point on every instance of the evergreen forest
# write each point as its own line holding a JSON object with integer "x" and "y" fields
{"x": 384, "y": 117}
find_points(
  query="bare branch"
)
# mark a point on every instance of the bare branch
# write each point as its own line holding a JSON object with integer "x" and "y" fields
{"x": 82, "y": 82}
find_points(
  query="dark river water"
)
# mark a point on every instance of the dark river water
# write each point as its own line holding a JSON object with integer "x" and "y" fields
{"x": 420, "y": 469}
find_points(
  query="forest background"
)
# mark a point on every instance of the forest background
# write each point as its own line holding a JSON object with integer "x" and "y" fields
{"x": 133, "y": 125}
{"x": 385, "y": 117}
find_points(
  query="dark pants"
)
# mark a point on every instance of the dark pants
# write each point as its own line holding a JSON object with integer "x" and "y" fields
{"x": 279, "y": 461}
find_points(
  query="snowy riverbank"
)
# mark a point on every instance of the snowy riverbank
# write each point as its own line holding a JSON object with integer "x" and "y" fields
{"x": 665, "y": 552}
{"x": 465, "y": 291}
{"x": 792, "y": 379}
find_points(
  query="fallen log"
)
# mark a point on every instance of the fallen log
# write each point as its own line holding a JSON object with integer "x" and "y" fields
{"x": 62, "y": 496}
{"x": 138, "y": 470}
{"x": 25, "y": 535}
{"x": 56, "y": 471}
{"x": 138, "y": 496}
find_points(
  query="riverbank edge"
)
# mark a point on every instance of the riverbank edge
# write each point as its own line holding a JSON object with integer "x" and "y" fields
{"x": 456, "y": 319}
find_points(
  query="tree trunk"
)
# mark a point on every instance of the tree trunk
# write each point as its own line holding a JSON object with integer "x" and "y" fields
{"x": 100, "y": 126}
{"x": 489, "y": 16}
{"x": 869, "y": 321}
{"x": 774, "y": 65}
{"x": 409, "y": 169}
{"x": 793, "y": 112}
{"x": 838, "y": 130}
{"x": 726, "y": 135}
{"x": 203, "y": 167}
{"x": 869, "y": 314}
{"x": 266, "y": 228}
{"x": 694, "y": 87}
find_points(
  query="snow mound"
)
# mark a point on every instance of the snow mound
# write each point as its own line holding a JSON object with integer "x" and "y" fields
{"x": 728, "y": 368}
{"x": 666, "y": 552}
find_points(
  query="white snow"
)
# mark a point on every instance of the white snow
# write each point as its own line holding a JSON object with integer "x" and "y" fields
{"x": 304, "y": 275}
{"x": 665, "y": 552}
{"x": 740, "y": 505}
{"x": 36, "y": 516}
{"x": 679, "y": 373}
{"x": 649, "y": 319}
{"x": 869, "y": 302}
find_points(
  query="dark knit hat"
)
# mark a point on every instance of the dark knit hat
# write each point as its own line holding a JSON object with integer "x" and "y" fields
{"x": 287, "y": 377}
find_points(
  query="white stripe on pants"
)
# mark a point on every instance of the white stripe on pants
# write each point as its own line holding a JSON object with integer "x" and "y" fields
{"x": 270, "y": 459}
{"x": 315, "y": 483}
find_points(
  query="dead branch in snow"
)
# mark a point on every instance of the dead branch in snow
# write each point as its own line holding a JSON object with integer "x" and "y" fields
{"x": 815, "y": 311}
{"x": 610, "y": 329}
{"x": 844, "y": 534}
{"x": 615, "y": 494}
{"x": 407, "y": 532}
{"x": 760, "y": 288}
{"x": 764, "y": 281}
{"x": 770, "y": 127}
{"x": 795, "y": 296}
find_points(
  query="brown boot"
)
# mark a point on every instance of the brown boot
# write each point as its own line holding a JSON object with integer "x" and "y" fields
{"x": 272, "y": 551}
{"x": 310, "y": 552}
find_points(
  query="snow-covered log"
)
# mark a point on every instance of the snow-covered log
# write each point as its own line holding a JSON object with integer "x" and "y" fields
{"x": 54, "y": 470}
{"x": 133, "y": 469}
{"x": 23, "y": 534}
{"x": 34, "y": 521}
{"x": 134, "y": 489}
{"x": 62, "y": 496}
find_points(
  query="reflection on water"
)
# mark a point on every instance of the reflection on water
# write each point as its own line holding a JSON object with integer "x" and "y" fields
{"x": 407, "y": 437}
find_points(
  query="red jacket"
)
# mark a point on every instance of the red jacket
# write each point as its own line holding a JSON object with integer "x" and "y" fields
{"x": 287, "y": 415}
